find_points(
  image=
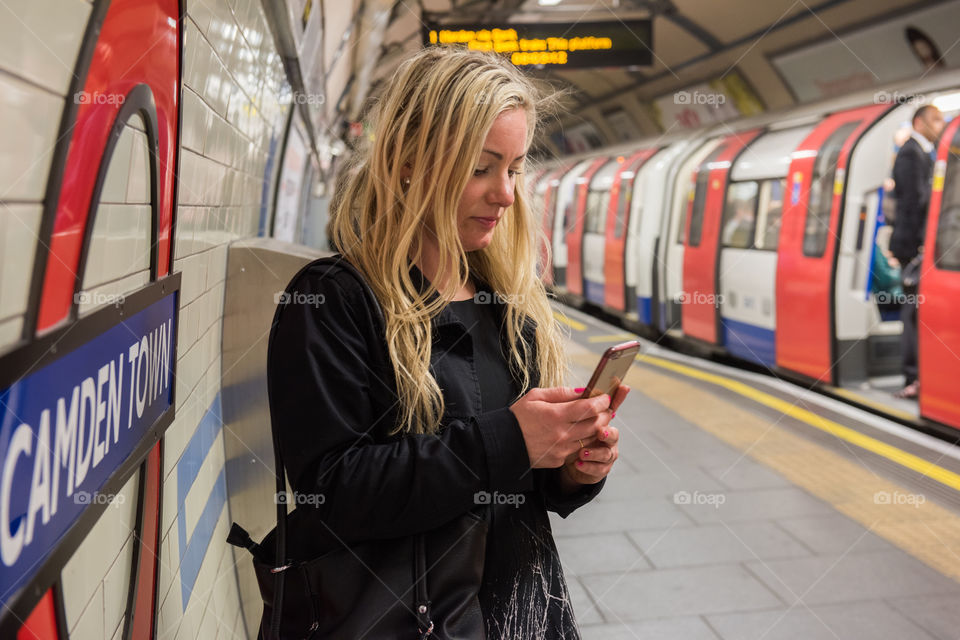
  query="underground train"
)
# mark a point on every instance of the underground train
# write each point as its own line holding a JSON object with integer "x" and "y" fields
{"x": 754, "y": 239}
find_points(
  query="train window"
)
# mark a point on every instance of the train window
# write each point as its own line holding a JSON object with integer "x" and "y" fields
{"x": 770, "y": 212}
{"x": 700, "y": 197}
{"x": 551, "y": 200}
{"x": 624, "y": 198}
{"x": 537, "y": 205}
{"x": 601, "y": 223}
{"x": 699, "y": 204}
{"x": 682, "y": 225}
{"x": 817, "y": 225}
{"x": 739, "y": 215}
{"x": 568, "y": 213}
{"x": 946, "y": 253}
{"x": 597, "y": 204}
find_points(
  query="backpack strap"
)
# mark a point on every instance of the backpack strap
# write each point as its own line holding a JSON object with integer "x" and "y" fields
{"x": 280, "y": 560}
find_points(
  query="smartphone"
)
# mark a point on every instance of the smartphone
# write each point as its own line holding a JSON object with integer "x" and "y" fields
{"x": 611, "y": 370}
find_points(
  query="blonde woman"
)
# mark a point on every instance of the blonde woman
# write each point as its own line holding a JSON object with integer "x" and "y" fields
{"x": 459, "y": 402}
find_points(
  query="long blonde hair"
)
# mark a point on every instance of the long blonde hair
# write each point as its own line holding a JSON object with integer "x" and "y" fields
{"x": 430, "y": 124}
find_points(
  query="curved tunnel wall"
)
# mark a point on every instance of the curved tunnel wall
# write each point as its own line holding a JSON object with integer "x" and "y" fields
{"x": 102, "y": 215}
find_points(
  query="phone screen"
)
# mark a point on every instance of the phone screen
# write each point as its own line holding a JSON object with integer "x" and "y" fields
{"x": 612, "y": 369}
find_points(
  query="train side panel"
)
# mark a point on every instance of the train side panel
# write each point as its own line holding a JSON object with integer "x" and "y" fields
{"x": 701, "y": 301}
{"x": 938, "y": 327}
{"x": 806, "y": 254}
{"x": 670, "y": 246}
{"x": 748, "y": 243}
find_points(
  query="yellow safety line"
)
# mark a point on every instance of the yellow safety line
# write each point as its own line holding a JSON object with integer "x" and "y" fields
{"x": 915, "y": 463}
{"x": 614, "y": 337}
{"x": 856, "y": 397}
{"x": 923, "y": 528}
{"x": 570, "y": 322}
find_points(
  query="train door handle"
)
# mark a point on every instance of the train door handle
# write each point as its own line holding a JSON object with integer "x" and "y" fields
{"x": 861, "y": 225}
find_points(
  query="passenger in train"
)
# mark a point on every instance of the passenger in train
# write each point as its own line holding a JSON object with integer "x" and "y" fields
{"x": 912, "y": 172}
{"x": 739, "y": 228}
{"x": 885, "y": 277}
{"x": 458, "y": 403}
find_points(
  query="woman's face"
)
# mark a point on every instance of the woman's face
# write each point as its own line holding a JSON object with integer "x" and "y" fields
{"x": 489, "y": 190}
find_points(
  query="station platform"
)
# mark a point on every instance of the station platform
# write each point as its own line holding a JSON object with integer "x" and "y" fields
{"x": 722, "y": 174}
{"x": 742, "y": 507}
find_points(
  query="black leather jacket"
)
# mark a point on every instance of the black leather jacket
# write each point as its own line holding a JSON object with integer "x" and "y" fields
{"x": 335, "y": 404}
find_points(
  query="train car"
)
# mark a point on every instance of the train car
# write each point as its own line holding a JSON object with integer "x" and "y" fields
{"x": 755, "y": 239}
{"x": 573, "y": 222}
{"x": 809, "y": 244}
{"x": 701, "y": 300}
{"x": 593, "y": 233}
{"x": 563, "y": 213}
{"x": 626, "y": 235}
{"x": 544, "y": 195}
{"x": 644, "y": 250}
{"x": 749, "y": 232}
{"x": 673, "y": 232}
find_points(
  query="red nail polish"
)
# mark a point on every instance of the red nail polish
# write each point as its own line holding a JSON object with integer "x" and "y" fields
{"x": 586, "y": 454}
{"x": 579, "y": 463}
{"x": 613, "y": 415}
{"x": 605, "y": 433}
{"x": 579, "y": 389}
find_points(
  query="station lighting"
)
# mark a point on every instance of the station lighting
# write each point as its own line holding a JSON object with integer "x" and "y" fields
{"x": 948, "y": 103}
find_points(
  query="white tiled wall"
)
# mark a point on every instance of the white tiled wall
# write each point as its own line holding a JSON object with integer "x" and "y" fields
{"x": 19, "y": 223}
{"x": 39, "y": 42}
{"x": 118, "y": 260}
{"x": 118, "y": 263}
{"x": 41, "y": 39}
{"x": 94, "y": 601}
{"x": 232, "y": 79}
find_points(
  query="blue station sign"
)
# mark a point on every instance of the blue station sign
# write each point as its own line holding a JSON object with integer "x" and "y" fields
{"x": 75, "y": 427}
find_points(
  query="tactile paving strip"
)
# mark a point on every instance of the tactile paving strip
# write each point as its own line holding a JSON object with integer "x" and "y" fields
{"x": 924, "y": 529}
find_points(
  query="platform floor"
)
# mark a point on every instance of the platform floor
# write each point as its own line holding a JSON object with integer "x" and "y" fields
{"x": 746, "y": 508}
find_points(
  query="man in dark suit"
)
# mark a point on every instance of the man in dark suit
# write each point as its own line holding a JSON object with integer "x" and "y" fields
{"x": 912, "y": 171}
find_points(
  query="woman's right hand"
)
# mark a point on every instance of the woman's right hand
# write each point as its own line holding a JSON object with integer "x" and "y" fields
{"x": 554, "y": 419}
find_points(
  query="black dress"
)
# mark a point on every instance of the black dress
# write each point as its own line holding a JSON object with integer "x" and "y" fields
{"x": 524, "y": 594}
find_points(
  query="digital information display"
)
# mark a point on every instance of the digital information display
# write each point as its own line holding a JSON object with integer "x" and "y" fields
{"x": 580, "y": 45}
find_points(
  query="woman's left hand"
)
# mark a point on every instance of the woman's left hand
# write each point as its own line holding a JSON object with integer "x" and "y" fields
{"x": 594, "y": 461}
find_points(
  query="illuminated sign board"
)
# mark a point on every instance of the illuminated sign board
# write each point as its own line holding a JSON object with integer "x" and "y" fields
{"x": 571, "y": 45}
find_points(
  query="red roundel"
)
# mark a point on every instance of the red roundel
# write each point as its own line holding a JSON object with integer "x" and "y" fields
{"x": 129, "y": 64}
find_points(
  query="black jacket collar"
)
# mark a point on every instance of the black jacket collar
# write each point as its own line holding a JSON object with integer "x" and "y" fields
{"x": 447, "y": 316}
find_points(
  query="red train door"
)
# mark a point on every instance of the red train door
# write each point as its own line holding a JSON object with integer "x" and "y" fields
{"x": 807, "y": 253}
{"x": 618, "y": 219}
{"x": 701, "y": 309}
{"x": 938, "y": 332}
{"x": 574, "y": 228}
{"x": 549, "y": 206}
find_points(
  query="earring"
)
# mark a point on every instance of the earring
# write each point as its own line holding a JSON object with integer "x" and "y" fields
{"x": 406, "y": 182}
